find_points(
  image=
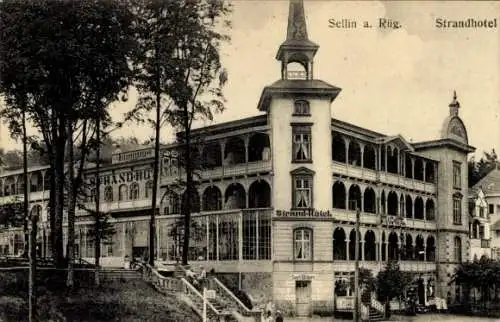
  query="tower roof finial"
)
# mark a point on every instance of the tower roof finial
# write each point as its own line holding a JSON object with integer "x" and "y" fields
{"x": 297, "y": 42}
{"x": 297, "y": 28}
{"x": 454, "y": 105}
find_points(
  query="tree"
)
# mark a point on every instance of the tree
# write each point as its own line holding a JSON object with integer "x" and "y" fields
{"x": 180, "y": 62}
{"x": 391, "y": 283}
{"x": 479, "y": 169}
{"x": 366, "y": 280}
{"x": 74, "y": 62}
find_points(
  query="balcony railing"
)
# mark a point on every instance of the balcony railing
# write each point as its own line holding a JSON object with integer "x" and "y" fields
{"x": 485, "y": 243}
{"x": 226, "y": 170}
{"x": 384, "y": 177}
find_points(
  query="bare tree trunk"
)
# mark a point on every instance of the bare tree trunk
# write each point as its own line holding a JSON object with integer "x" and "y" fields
{"x": 32, "y": 236}
{"x": 186, "y": 201}
{"x": 71, "y": 209}
{"x": 156, "y": 163}
{"x": 98, "y": 227}
{"x": 59, "y": 195}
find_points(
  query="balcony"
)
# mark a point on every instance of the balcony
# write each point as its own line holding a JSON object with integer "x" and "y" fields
{"x": 232, "y": 170}
{"x": 376, "y": 266}
{"x": 384, "y": 177}
{"x": 485, "y": 243}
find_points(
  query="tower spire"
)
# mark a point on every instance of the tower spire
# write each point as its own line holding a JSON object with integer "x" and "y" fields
{"x": 454, "y": 105}
{"x": 297, "y": 48}
{"x": 297, "y": 28}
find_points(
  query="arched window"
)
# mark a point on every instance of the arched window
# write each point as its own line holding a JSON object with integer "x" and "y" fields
{"x": 458, "y": 249}
{"x": 301, "y": 107}
{"x": 303, "y": 244}
{"x": 134, "y": 191}
{"x": 108, "y": 194}
{"x": 122, "y": 192}
{"x": 149, "y": 188}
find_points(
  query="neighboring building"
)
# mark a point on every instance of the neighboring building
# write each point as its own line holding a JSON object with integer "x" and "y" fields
{"x": 278, "y": 195}
{"x": 486, "y": 193}
{"x": 479, "y": 225}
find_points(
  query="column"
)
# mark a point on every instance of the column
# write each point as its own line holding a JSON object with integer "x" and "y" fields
{"x": 257, "y": 235}
{"x": 362, "y": 247}
{"x": 346, "y": 142}
{"x": 207, "y": 221}
{"x": 348, "y": 242}
{"x": 362, "y": 150}
{"x": 222, "y": 150}
{"x": 385, "y": 161}
{"x": 240, "y": 236}
{"x": 413, "y": 208}
{"x": 217, "y": 237}
{"x": 124, "y": 236}
{"x": 399, "y": 162}
{"x": 425, "y": 203}
{"x": 246, "y": 141}
{"x": 412, "y": 168}
{"x": 158, "y": 240}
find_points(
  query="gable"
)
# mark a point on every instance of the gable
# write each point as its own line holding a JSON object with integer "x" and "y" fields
{"x": 302, "y": 171}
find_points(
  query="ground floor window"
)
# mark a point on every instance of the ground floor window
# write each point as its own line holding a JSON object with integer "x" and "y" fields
{"x": 225, "y": 237}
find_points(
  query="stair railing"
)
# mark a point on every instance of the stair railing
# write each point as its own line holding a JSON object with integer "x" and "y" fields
{"x": 161, "y": 283}
{"x": 192, "y": 293}
{"x": 224, "y": 292}
{"x": 377, "y": 305}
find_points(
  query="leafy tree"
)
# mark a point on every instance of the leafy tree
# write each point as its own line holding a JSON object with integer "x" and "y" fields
{"x": 482, "y": 274}
{"x": 479, "y": 169}
{"x": 73, "y": 64}
{"x": 180, "y": 63}
{"x": 366, "y": 280}
{"x": 391, "y": 283}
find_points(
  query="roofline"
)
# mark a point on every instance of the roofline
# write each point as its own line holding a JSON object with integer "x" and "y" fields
{"x": 361, "y": 130}
{"x": 269, "y": 90}
{"x": 443, "y": 143}
{"x": 225, "y": 125}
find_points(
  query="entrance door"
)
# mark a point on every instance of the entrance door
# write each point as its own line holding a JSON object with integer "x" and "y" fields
{"x": 303, "y": 297}
{"x": 421, "y": 292}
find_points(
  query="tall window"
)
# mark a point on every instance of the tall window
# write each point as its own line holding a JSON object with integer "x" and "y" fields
{"x": 457, "y": 175}
{"x": 122, "y": 192}
{"x": 108, "y": 194}
{"x": 302, "y": 192}
{"x": 458, "y": 249}
{"x": 149, "y": 188}
{"x": 491, "y": 209}
{"x": 481, "y": 212}
{"x": 301, "y": 143}
{"x": 301, "y": 107}
{"x": 134, "y": 191}
{"x": 303, "y": 244}
{"x": 457, "y": 209}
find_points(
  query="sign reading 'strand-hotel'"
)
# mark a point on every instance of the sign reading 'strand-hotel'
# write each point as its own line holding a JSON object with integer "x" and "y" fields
{"x": 303, "y": 213}
{"x": 126, "y": 176}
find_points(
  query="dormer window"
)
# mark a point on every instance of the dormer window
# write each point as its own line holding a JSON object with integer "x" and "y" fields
{"x": 301, "y": 108}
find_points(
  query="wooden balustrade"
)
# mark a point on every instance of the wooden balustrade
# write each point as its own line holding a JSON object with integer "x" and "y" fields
{"x": 377, "y": 305}
{"x": 234, "y": 302}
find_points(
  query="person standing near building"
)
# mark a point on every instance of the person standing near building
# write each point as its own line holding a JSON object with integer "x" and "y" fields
{"x": 279, "y": 317}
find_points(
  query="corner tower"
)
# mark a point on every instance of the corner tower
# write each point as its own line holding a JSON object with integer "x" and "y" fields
{"x": 452, "y": 219}
{"x": 299, "y": 118}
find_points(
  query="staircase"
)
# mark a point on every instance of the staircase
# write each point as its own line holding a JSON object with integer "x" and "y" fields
{"x": 376, "y": 311}
{"x": 221, "y": 304}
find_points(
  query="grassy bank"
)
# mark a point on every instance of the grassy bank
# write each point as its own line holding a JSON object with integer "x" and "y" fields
{"x": 132, "y": 300}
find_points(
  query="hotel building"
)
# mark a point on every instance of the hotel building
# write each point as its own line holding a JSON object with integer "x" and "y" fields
{"x": 278, "y": 194}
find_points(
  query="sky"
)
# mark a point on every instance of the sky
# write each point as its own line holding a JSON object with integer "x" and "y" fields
{"x": 393, "y": 81}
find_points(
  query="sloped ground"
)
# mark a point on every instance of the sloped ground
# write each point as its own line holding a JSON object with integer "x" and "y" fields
{"x": 119, "y": 300}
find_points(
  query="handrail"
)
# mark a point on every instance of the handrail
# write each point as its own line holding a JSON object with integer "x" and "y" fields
{"x": 198, "y": 294}
{"x": 376, "y": 304}
{"x": 233, "y": 297}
